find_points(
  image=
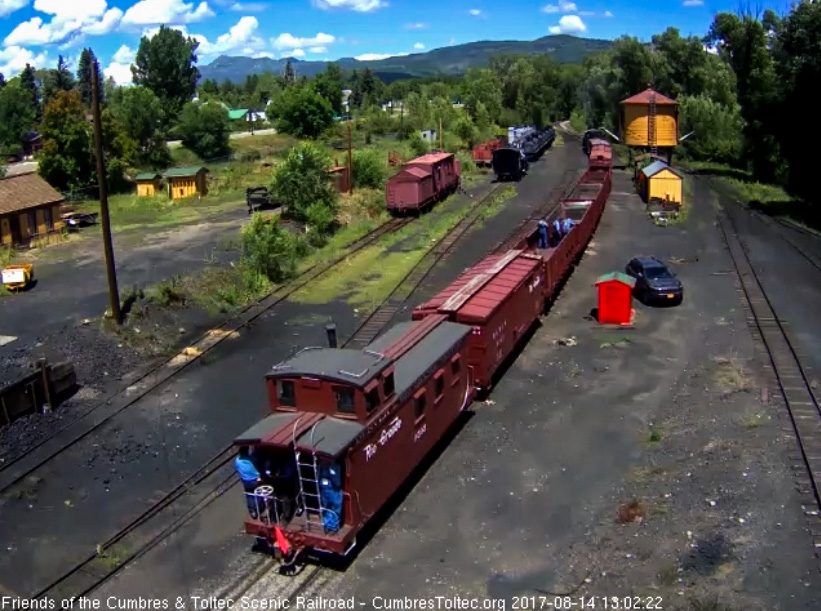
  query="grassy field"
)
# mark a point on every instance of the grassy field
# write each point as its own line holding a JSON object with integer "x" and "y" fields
{"x": 769, "y": 199}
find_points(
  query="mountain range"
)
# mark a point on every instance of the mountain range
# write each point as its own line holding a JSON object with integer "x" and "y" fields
{"x": 453, "y": 60}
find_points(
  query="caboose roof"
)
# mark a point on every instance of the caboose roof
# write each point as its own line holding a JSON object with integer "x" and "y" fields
{"x": 413, "y": 364}
{"x": 323, "y": 434}
{"x": 430, "y": 158}
{"x": 350, "y": 367}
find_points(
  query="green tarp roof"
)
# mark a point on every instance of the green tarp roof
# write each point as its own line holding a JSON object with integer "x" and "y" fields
{"x": 237, "y": 113}
{"x": 184, "y": 171}
{"x": 147, "y": 176}
{"x": 620, "y": 277}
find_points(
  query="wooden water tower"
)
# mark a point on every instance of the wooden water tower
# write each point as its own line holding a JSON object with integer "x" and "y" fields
{"x": 650, "y": 123}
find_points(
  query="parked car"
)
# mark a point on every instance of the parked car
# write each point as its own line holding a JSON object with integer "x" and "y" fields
{"x": 654, "y": 281}
{"x": 74, "y": 220}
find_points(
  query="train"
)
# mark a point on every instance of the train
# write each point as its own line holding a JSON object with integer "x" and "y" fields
{"x": 483, "y": 152}
{"x": 422, "y": 182}
{"x": 348, "y": 427}
{"x": 509, "y": 163}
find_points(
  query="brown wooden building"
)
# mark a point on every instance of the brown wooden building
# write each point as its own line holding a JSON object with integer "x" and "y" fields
{"x": 29, "y": 207}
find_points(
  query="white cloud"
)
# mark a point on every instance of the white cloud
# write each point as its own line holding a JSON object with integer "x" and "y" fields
{"x": 419, "y": 46}
{"x": 68, "y": 20}
{"x": 289, "y": 41}
{"x": 608, "y": 14}
{"x": 318, "y": 50}
{"x": 248, "y": 7}
{"x": 124, "y": 55}
{"x": 569, "y": 24}
{"x": 693, "y": 3}
{"x": 121, "y": 73}
{"x": 242, "y": 38}
{"x": 262, "y": 54}
{"x": 168, "y": 12}
{"x": 415, "y": 26}
{"x": 595, "y": 14}
{"x": 7, "y": 7}
{"x": 561, "y": 7}
{"x": 373, "y": 57}
{"x": 13, "y": 60}
{"x": 361, "y": 6}
{"x": 709, "y": 49}
{"x": 475, "y": 12}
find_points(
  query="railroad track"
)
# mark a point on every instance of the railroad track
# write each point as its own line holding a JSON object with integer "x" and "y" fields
{"x": 370, "y": 328}
{"x": 800, "y": 400}
{"x": 14, "y": 470}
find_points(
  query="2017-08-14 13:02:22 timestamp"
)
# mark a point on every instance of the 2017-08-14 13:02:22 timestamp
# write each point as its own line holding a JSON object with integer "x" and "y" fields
{"x": 632, "y": 603}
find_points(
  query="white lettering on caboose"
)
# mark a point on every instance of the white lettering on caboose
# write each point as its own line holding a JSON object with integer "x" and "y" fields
{"x": 384, "y": 437}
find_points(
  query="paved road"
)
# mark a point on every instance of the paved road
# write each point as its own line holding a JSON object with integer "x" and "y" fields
{"x": 234, "y": 136}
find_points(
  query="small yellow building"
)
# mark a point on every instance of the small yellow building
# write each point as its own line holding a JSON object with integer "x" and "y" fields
{"x": 660, "y": 182}
{"x": 29, "y": 207}
{"x": 148, "y": 184}
{"x": 186, "y": 182}
{"x": 650, "y": 119}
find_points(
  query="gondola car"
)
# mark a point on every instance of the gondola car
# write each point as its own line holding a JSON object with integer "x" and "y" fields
{"x": 509, "y": 164}
{"x": 348, "y": 427}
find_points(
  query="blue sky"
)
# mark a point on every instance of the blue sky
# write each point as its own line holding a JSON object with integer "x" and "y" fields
{"x": 37, "y": 31}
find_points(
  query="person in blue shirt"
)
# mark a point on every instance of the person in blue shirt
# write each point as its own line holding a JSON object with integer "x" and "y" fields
{"x": 249, "y": 474}
{"x": 542, "y": 234}
{"x": 557, "y": 231}
{"x": 567, "y": 226}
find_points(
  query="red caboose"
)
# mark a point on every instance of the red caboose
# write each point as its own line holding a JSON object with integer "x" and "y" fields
{"x": 348, "y": 428}
{"x": 422, "y": 182}
{"x": 500, "y": 298}
{"x": 601, "y": 154}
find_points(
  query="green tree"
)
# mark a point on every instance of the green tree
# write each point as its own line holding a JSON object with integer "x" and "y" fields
{"x": 289, "y": 75}
{"x": 59, "y": 79}
{"x": 28, "y": 81}
{"x": 269, "y": 250}
{"x": 303, "y": 181}
{"x": 119, "y": 152}
{"x": 368, "y": 169}
{"x": 482, "y": 86}
{"x": 140, "y": 114}
{"x": 301, "y": 112}
{"x": 17, "y": 115}
{"x": 715, "y": 128}
{"x": 328, "y": 84}
{"x": 67, "y": 159}
{"x": 204, "y": 130}
{"x": 85, "y": 65}
{"x": 165, "y": 64}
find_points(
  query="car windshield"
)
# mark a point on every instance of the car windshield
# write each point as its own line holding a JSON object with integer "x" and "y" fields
{"x": 657, "y": 272}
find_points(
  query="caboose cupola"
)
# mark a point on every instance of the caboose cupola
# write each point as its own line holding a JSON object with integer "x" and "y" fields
{"x": 344, "y": 383}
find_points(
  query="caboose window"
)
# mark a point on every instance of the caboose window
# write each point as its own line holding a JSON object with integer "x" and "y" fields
{"x": 388, "y": 386}
{"x": 286, "y": 394}
{"x": 345, "y": 400}
{"x": 439, "y": 385}
{"x": 373, "y": 399}
{"x": 419, "y": 406}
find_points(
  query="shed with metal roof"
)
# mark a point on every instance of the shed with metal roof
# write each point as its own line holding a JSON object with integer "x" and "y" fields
{"x": 659, "y": 182}
{"x": 148, "y": 184}
{"x": 186, "y": 182}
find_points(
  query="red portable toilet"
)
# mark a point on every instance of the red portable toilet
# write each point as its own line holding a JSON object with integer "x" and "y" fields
{"x": 615, "y": 299}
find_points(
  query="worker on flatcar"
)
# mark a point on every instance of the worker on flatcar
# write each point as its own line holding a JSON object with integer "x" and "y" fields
{"x": 557, "y": 232}
{"x": 543, "y": 234}
{"x": 249, "y": 474}
{"x": 567, "y": 225}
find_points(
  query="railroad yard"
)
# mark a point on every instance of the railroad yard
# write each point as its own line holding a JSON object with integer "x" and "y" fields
{"x": 655, "y": 461}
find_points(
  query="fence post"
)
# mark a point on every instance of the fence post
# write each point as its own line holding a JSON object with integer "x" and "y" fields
{"x": 43, "y": 366}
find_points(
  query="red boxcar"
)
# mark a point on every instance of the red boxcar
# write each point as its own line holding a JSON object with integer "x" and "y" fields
{"x": 500, "y": 298}
{"x": 442, "y": 169}
{"x": 351, "y": 425}
{"x": 601, "y": 154}
{"x": 483, "y": 152}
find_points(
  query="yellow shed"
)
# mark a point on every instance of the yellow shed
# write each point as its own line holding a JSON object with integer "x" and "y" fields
{"x": 186, "y": 182}
{"x": 658, "y": 181}
{"x": 650, "y": 119}
{"x": 148, "y": 184}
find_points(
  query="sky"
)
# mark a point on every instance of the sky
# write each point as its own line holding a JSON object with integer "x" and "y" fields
{"x": 38, "y": 31}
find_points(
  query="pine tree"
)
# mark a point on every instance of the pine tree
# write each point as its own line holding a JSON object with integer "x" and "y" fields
{"x": 84, "y": 67}
{"x": 290, "y": 75}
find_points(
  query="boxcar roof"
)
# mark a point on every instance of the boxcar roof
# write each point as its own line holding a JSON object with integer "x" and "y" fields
{"x": 430, "y": 158}
{"x": 351, "y": 367}
{"x": 413, "y": 364}
{"x": 330, "y": 436}
{"x": 265, "y": 428}
{"x": 413, "y": 171}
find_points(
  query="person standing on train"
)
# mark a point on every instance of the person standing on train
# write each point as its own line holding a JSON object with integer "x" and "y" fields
{"x": 557, "y": 232}
{"x": 567, "y": 226}
{"x": 542, "y": 234}
{"x": 249, "y": 474}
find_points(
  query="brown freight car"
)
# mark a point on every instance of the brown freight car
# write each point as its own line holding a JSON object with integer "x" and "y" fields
{"x": 352, "y": 425}
{"x": 500, "y": 298}
{"x": 442, "y": 168}
{"x": 483, "y": 152}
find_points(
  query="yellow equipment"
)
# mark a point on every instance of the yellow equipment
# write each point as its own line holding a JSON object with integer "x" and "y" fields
{"x": 18, "y": 276}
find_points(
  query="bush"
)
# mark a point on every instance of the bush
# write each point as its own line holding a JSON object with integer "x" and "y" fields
{"x": 418, "y": 145}
{"x": 578, "y": 121}
{"x": 301, "y": 112}
{"x": 204, "y": 130}
{"x": 368, "y": 170}
{"x": 302, "y": 180}
{"x": 269, "y": 250}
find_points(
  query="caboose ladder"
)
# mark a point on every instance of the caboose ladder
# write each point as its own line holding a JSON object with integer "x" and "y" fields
{"x": 309, "y": 499}
{"x": 651, "y": 126}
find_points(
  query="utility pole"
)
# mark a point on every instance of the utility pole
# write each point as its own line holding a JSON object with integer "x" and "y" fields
{"x": 111, "y": 271}
{"x": 350, "y": 161}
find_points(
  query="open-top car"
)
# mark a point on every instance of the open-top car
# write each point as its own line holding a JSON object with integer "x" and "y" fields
{"x": 654, "y": 281}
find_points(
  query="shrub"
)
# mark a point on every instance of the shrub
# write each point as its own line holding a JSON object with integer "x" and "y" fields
{"x": 418, "y": 145}
{"x": 578, "y": 121}
{"x": 269, "y": 250}
{"x": 302, "y": 180}
{"x": 368, "y": 170}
